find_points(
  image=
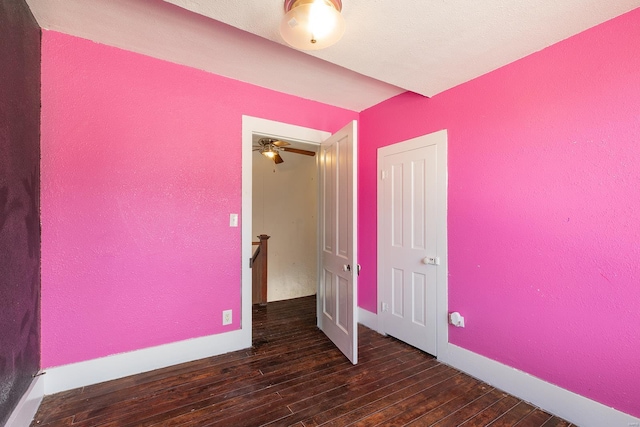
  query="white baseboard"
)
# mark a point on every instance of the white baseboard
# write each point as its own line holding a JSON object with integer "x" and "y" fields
{"x": 572, "y": 407}
{"x": 107, "y": 368}
{"x": 368, "y": 319}
{"x": 28, "y": 405}
{"x": 68, "y": 377}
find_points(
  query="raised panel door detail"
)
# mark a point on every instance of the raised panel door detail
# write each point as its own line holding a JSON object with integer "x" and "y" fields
{"x": 417, "y": 199}
{"x": 397, "y": 204}
{"x": 343, "y": 304}
{"x": 343, "y": 209}
{"x": 328, "y": 196}
{"x": 419, "y": 288}
{"x": 328, "y": 301}
{"x": 397, "y": 292}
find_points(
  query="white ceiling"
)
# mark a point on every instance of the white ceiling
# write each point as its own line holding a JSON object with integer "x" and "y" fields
{"x": 424, "y": 46}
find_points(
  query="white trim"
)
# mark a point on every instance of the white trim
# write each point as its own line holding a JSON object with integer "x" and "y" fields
{"x": 440, "y": 139}
{"x": 107, "y": 368}
{"x": 28, "y": 405}
{"x": 368, "y": 319}
{"x": 572, "y": 407}
{"x": 354, "y": 235}
{"x": 443, "y": 244}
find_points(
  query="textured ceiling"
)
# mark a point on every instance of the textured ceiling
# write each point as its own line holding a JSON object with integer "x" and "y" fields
{"x": 425, "y": 46}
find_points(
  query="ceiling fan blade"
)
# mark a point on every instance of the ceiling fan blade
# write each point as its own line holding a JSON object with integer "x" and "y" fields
{"x": 277, "y": 158}
{"x": 280, "y": 143}
{"x": 299, "y": 151}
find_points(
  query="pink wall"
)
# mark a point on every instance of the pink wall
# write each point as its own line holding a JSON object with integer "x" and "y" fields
{"x": 543, "y": 215}
{"x": 543, "y": 190}
{"x": 141, "y": 166}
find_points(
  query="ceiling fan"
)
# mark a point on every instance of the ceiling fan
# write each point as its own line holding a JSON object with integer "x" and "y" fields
{"x": 271, "y": 148}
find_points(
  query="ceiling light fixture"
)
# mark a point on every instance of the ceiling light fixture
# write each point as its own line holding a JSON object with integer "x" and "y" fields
{"x": 269, "y": 150}
{"x": 312, "y": 24}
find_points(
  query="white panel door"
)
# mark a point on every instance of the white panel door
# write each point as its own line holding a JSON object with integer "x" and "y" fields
{"x": 337, "y": 284}
{"x": 408, "y": 258}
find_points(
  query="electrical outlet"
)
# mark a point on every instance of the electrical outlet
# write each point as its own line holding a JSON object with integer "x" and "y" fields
{"x": 456, "y": 319}
{"x": 226, "y": 317}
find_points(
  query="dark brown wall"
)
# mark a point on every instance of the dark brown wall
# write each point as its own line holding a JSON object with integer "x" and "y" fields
{"x": 19, "y": 202}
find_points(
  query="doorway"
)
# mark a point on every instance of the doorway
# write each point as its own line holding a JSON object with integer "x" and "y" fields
{"x": 256, "y": 126}
{"x": 412, "y": 241}
{"x": 337, "y": 230}
{"x": 285, "y": 208}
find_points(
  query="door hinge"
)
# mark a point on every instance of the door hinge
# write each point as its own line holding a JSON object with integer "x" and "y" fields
{"x": 385, "y": 306}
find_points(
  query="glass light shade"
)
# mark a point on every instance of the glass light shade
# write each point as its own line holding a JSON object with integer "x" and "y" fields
{"x": 312, "y": 25}
{"x": 270, "y": 154}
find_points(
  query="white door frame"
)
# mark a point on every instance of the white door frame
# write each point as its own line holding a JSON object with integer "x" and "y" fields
{"x": 440, "y": 139}
{"x": 270, "y": 128}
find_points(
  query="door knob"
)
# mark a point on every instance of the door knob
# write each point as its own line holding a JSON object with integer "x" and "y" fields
{"x": 346, "y": 267}
{"x": 431, "y": 260}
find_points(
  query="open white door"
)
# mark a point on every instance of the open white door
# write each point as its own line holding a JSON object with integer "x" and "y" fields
{"x": 337, "y": 283}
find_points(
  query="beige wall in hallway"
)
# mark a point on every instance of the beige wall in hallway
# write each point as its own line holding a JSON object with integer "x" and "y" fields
{"x": 285, "y": 207}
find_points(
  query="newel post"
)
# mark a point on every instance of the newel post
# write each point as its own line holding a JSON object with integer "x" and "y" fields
{"x": 262, "y": 270}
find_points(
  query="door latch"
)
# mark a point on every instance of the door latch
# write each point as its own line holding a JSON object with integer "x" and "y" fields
{"x": 431, "y": 260}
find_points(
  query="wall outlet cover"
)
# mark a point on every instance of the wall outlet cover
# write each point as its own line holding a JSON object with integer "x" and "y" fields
{"x": 226, "y": 317}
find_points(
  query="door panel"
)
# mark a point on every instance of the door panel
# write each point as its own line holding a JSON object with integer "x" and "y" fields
{"x": 395, "y": 193}
{"x": 408, "y": 236}
{"x": 337, "y": 293}
{"x": 328, "y": 302}
{"x": 397, "y": 285}
{"x": 418, "y": 220}
{"x": 419, "y": 296}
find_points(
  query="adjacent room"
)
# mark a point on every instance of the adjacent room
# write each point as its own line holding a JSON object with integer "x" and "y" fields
{"x": 132, "y": 189}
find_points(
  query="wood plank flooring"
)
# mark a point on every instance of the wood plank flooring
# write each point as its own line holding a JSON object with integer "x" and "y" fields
{"x": 294, "y": 376}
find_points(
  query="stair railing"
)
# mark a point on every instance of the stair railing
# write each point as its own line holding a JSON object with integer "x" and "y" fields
{"x": 258, "y": 264}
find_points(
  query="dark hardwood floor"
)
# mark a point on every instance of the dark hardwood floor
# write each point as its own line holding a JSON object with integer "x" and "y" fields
{"x": 294, "y": 376}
